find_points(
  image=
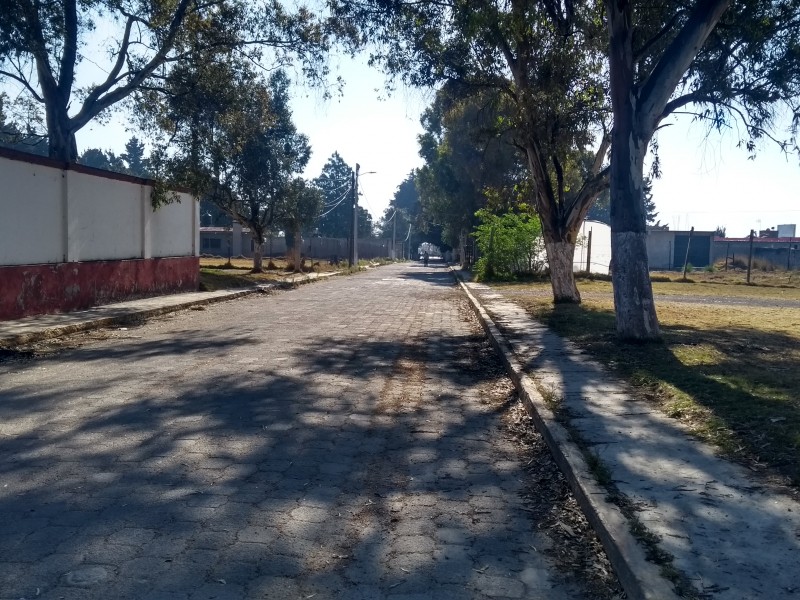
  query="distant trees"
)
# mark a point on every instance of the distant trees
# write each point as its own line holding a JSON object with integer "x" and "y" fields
{"x": 404, "y": 220}
{"x": 131, "y": 162}
{"x": 336, "y": 184}
{"x": 467, "y": 162}
{"x": 14, "y": 137}
{"x": 228, "y": 136}
{"x": 299, "y": 207}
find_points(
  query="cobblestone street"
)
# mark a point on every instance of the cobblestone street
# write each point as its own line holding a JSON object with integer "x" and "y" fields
{"x": 346, "y": 439}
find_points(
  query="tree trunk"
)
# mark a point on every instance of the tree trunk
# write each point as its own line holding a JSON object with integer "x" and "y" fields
{"x": 258, "y": 255}
{"x": 560, "y": 255}
{"x": 633, "y": 293}
{"x": 297, "y": 251}
{"x": 60, "y": 139}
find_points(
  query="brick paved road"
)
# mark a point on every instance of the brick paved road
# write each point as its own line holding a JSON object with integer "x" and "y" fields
{"x": 334, "y": 441}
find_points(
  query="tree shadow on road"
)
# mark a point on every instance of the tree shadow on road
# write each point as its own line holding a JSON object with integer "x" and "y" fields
{"x": 350, "y": 470}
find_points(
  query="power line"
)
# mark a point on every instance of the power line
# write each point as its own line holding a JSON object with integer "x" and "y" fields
{"x": 339, "y": 199}
{"x": 342, "y": 199}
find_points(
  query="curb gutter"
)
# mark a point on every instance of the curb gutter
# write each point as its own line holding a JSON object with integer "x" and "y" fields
{"x": 121, "y": 316}
{"x": 640, "y": 578}
{"x": 126, "y": 315}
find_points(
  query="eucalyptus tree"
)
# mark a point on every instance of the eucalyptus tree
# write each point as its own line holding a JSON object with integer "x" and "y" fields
{"x": 547, "y": 58}
{"x": 45, "y": 46}
{"x": 726, "y": 61}
{"x": 298, "y": 208}
{"x": 228, "y": 136}
{"x": 467, "y": 161}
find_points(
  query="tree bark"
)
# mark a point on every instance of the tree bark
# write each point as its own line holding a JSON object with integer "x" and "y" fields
{"x": 258, "y": 255}
{"x": 633, "y": 293}
{"x": 297, "y": 251}
{"x": 560, "y": 255}
{"x": 60, "y": 139}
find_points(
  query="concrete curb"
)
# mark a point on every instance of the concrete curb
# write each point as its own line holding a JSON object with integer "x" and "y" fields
{"x": 125, "y": 315}
{"x": 640, "y": 578}
{"x": 119, "y": 316}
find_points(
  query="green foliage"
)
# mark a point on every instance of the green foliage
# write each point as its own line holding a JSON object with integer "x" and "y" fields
{"x": 228, "y": 136}
{"x": 23, "y": 138}
{"x": 299, "y": 206}
{"x": 404, "y": 218}
{"x": 466, "y": 157}
{"x": 510, "y": 244}
{"x": 336, "y": 183}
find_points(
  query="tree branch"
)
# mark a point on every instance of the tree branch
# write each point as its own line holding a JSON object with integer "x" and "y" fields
{"x": 24, "y": 82}
{"x": 66, "y": 69}
{"x": 112, "y": 78}
{"x": 90, "y": 110}
{"x": 663, "y": 79}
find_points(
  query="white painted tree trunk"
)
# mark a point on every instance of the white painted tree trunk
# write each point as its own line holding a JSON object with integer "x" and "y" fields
{"x": 257, "y": 256}
{"x": 633, "y": 293}
{"x": 297, "y": 252}
{"x": 560, "y": 256}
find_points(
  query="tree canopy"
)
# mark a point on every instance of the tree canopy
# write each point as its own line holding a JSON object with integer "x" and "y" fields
{"x": 545, "y": 60}
{"x": 229, "y": 137}
{"x": 467, "y": 161}
{"x": 45, "y": 45}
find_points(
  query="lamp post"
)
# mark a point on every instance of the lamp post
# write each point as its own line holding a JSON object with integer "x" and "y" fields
{"x": 353, "y": 258}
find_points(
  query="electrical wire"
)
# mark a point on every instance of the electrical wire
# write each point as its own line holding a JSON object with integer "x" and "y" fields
{"x": 329, "y": 211}
{"x": 338, "y": 201}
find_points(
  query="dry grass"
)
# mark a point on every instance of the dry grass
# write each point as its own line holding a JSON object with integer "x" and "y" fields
{"x": 278, "y": 265}
{"x": 731, "y": 372}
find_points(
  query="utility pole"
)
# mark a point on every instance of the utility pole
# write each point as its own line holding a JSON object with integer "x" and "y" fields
{"x": 686, "y": 258}
{"x": 353, "y": 259}
{"x": 394, "y": 235}
{"x": 589, "y": 253}
{"x": 750, "y": 257}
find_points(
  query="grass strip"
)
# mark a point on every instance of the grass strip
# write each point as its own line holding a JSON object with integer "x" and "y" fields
{"x": 732, "y": 373}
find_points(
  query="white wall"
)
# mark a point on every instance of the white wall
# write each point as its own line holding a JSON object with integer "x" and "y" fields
{"x": 601, "y": 248}
{"x": 30, "y": 214}
{"x": 51, "y": 215}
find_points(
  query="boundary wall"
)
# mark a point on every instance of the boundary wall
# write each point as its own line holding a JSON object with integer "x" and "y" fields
{"x": 72, "y": 237}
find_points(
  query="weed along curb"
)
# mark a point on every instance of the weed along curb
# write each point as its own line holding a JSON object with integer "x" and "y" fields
{"x": 640, "y": 578}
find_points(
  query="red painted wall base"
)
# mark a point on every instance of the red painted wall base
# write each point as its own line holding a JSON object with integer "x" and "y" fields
{"x": 27, "y": 290}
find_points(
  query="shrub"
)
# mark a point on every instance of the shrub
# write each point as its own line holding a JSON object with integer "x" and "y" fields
{"x": 510, "y": 245}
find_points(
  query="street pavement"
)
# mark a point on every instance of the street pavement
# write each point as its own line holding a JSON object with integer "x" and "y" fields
{"x": 340, "y": 440}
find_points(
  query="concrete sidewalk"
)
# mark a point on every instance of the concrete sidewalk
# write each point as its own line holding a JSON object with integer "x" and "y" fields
{"x": 729, "y": 535}
{"x": 39, "y": 327}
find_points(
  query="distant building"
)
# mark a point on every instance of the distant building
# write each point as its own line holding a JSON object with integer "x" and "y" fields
{"x": 782, "y": 252}
{"x": 667, "y": 250}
